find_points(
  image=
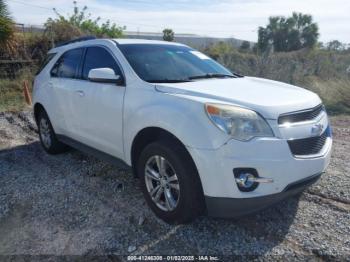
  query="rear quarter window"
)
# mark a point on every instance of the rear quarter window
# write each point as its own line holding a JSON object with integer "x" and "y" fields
{"x": 67, "y": 65}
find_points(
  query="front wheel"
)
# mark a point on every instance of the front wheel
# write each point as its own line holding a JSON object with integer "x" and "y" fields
{"x": 170, "y": 182}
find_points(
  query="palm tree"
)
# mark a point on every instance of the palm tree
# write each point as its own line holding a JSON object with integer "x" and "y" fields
{"x": 4, "y": 13}
{"x": 6, "y": 28}
{"x": 288, "y": 34}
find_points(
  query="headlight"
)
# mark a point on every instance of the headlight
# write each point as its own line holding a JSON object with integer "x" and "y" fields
{"x": 242, "y": 124}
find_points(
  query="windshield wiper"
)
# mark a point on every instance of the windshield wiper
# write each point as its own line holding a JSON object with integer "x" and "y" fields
{"x": 169, "y": 80}
{"x": 206, "y": 76}
{"x": 211, "y": 75}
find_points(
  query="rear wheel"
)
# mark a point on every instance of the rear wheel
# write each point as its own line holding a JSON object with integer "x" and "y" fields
{"x": 48, "y": 137}
{"x": 170, "y": 182}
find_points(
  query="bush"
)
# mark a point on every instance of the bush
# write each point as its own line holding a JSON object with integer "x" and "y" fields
{"x": 61, "y": 31}
{"x": 11, "y": 91}
{"x": 37, "y": 46}
{"x": 80, "y": 23}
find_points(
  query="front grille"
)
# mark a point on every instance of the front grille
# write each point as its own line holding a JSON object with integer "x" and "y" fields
{"x": 308, "y": 146}
{"x": 301, "y": 116}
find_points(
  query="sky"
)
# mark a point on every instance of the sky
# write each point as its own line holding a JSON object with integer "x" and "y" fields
{"x": 217, "y": 18}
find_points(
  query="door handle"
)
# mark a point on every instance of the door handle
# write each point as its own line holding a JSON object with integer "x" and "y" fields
{"x": 80, "y": 93}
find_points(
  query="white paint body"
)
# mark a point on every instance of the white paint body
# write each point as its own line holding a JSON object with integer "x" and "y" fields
{"x": 108, "y": 118}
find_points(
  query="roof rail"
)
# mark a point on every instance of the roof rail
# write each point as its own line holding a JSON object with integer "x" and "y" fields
{"x": 80, "y": 39}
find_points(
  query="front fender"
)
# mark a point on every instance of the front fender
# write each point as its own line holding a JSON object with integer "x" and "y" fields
{"x": 184, "y": 118}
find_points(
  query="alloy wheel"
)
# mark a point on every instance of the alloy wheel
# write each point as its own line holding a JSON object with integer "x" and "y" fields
{"x": 162, "y": 183}
{"x": 45, "y": 132}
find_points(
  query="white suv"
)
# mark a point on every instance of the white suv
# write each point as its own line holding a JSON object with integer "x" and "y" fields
{"x": 200, "y": 138}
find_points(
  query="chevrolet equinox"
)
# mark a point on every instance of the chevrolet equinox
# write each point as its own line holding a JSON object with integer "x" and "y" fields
{"x": 200, "y": 138}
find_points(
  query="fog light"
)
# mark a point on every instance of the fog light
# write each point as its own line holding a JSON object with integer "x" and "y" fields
{"x": 247, "y": 179}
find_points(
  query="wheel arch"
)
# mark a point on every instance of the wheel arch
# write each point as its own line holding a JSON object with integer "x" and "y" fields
{"x": 152, "y": 134}
{"x": 148, "y": 135}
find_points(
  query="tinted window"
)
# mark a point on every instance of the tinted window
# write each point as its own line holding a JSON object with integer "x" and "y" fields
{"x": 47, "y": 60}
{"x": 98, "y": 57}
{"x": 68, "y": 64}
{"x": 154, "y": 62}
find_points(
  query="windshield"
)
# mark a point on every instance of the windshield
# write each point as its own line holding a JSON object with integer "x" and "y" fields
{"x": 157, "y": 63}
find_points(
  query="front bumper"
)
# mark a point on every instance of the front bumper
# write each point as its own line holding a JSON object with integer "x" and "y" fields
{"x": 271, "y": 157}
{"x": 230, "y": 207}
{"x": 274, "y": 158}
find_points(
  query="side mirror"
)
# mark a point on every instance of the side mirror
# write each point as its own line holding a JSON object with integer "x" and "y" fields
{"x": 104, "y": 75}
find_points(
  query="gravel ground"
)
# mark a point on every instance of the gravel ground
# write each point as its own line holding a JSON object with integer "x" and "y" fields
{"x": 74, "y": 204}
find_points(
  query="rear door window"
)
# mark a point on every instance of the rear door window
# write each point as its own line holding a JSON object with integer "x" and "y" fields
{"x": 68, "y": 64}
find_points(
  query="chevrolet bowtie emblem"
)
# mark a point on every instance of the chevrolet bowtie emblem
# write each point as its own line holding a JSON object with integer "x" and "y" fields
{"x": 317, "y": 129}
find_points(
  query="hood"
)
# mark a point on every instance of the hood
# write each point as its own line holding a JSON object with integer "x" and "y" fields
{"x": 267, "y": 97}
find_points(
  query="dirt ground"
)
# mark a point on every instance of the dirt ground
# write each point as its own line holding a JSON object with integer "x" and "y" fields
{"x": 74, "y": 204}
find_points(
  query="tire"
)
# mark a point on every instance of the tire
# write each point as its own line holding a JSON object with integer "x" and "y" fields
{"x": 183, "y": 191}
{"x": 48, "y": 137}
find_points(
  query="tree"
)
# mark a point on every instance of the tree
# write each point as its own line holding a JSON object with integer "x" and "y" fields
{"x": 61, "y": 31}
{"x": 168, "y": 35}
{"x": 288, "y": 34}
{"x": 80, "y": 23}
{"x": 4, "y": 12}
{"x": 7, "y": 30}
{"x": 245, "y": 46}
{"x": 264, "y": 41}
{"x": 335, "y": 45}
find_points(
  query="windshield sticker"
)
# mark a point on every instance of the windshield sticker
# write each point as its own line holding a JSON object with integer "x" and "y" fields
{"x": 200, "y": 55}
